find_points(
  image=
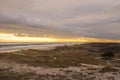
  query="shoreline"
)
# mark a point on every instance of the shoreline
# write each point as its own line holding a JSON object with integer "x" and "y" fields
{"x": 40, "y": 46}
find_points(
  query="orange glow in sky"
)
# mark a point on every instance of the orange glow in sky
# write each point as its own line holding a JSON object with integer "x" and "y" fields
{"x": 12, "y": 38}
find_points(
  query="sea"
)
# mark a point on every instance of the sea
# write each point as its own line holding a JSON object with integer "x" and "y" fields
{"x": 16, "y": 46}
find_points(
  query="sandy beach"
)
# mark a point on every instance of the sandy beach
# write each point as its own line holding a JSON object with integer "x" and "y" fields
{"x": 64, "y": 62}
{"x": 9, "y": 47}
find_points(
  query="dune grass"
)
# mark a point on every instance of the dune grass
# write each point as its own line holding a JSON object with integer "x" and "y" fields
{"x": 62, "y": 56}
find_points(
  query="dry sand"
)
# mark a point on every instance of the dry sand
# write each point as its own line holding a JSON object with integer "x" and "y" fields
{"x": 85, "y": 72}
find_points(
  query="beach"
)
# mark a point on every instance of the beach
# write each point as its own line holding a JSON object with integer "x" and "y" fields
{"x": 8, "y": 47}
{"x": 63, "y": 62}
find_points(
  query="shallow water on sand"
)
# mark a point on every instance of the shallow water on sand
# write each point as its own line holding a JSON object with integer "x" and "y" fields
{"x": 8, "y": 47}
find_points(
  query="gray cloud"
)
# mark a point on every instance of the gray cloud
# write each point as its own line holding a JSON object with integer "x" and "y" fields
{"x": 58, "y": 18}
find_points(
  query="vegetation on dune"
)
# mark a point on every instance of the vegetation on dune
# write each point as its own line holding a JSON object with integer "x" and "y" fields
{"x": 108, "y": 69}
{"x": 108, "y": 55}
{"x": 62, "y": 56}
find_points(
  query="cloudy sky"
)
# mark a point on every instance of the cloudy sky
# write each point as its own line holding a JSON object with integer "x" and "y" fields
{"x": 61, "y": 18}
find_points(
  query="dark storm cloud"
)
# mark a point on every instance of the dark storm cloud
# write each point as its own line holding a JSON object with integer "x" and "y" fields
{"x": 58, "y": 18}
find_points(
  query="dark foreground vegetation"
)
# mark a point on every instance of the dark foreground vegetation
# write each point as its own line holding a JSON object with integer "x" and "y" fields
{"x": 63, "y": 57}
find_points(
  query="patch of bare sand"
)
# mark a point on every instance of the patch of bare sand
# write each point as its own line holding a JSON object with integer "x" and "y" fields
{"x": 85, "y": 72}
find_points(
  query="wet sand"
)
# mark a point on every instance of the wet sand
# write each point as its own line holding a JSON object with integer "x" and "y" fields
{"x": 9, "y": 47}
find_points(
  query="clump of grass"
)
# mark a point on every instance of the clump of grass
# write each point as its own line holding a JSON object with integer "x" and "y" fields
{"x": 5, "y": 74}
{"x": 108, "y": 69}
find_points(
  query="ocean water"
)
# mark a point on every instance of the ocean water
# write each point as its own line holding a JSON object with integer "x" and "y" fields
{"x": 8, "y": 47}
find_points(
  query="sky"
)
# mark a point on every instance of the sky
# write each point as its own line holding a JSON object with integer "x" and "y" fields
{"x": 59, "y": 20}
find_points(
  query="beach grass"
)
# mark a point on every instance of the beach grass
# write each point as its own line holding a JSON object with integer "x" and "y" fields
{"x": 85, "y": 60}
{"x": 62, "y": 56}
